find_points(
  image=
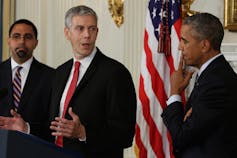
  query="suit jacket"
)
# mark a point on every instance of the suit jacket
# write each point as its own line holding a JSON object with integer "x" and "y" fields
{"x": 105, "y": 102}
{"x": 35, "y": 98}
{"x": 211, "y": 129}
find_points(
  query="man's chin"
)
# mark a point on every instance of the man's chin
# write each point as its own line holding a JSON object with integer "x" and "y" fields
{"x": 21, "y": 54}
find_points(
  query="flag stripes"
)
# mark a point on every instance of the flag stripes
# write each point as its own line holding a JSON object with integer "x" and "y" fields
{"x": 152, "y": 138}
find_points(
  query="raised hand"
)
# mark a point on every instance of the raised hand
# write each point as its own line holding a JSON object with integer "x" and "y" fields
{"x": 13, "y": 123}
{"x": 180, "y": 78}
{"x": 68, "y": 128}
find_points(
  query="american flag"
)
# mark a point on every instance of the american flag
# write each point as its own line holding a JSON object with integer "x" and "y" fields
{"x": 152, "y": 138}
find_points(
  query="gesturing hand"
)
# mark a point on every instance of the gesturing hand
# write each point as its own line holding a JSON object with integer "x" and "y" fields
{"x": 68, "y": 128}
{"x": 180, "y": 78}
{"x": 13, "y": 123}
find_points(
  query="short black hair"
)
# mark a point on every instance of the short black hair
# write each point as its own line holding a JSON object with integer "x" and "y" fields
{"x": 206, "y": 26}
{"x": 24, "y": 21}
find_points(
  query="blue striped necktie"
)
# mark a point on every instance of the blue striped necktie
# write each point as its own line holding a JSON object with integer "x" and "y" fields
{"x": 17, "y": 87}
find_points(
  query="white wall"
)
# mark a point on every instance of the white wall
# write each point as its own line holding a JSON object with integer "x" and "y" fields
{"x": 215, "y": 7}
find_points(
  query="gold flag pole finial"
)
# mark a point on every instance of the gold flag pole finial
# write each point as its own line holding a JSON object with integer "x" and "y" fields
{"x": 116, "y": 8}
{"x": 186, "y": 11}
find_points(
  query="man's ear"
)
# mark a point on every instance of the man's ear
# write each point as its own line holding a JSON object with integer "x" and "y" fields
{"x": 206, "y": 45}
{"x": 67, "y": 33}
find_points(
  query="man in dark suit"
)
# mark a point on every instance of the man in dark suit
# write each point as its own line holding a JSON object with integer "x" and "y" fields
{"x": 30, "y": 113}
{"x": 99, "y": 118}
{"x": 207, "y": 127}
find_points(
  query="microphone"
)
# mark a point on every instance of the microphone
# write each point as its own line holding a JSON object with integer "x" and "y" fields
{"x": 3, "y": 92}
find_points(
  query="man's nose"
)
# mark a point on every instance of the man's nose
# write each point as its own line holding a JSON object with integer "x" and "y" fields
{"x": 86, "y": 33}
{"x": 180, "y": 47}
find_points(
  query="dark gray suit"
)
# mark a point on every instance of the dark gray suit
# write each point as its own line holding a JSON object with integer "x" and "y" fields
{"x": 105, "y": 102}
{"x": 34, "y": 103}
{"x": 211, "y": 130}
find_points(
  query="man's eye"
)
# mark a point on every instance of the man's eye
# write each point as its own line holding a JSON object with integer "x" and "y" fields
{"x": 16, "y": 36}
{"x": 80, "y": 28}
{"x": 28, "y": 37}
{"x": 184, "y": 41}
{"x": 25, "y": 37}
{"x": 92, "y": 28}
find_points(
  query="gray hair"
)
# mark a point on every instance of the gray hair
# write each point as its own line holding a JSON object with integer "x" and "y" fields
{"x": 206, "y": 26}
{"x": 80, "y": 11}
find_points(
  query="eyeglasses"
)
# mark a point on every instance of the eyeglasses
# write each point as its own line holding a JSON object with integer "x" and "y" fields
{"x": 26, "y": 37}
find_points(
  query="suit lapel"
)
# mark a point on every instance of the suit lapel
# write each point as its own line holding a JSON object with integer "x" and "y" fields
{"x": 89, "y": 72}
{"x": 61, "y": 77}
{"x": 212, "y": 66}
{"x": 202, "y": 78}
{"x": 64, "y": 74}
{"x": 6, "y": 80}
{"x": 31, "y": 82}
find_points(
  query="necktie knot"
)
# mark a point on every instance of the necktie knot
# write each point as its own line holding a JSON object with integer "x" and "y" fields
{"x": 18, "y": 70}
{"x": 77, "y": 65}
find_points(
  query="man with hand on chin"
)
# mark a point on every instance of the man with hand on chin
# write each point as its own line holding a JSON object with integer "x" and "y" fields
{"x": 25, "y": 106}
{"x": 207, "y": 127}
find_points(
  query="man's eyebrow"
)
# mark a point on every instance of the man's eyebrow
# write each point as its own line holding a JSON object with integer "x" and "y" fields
{"x": 183, "y": 39}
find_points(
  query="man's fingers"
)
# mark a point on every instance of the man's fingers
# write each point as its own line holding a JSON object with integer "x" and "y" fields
{"x": 73, "y": 115}
{"x": 189, "y": 112}
{"x": 64, "y": 127}
{"x": 60, "y": 123}
{"x": 60, "y": 129}
{"x": 188, "y": 76}
{"x": 14, "y": 113}
{"x": 181, "y": 63}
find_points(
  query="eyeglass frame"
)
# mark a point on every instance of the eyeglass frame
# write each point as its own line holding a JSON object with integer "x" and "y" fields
{"x": 26, "y": 37}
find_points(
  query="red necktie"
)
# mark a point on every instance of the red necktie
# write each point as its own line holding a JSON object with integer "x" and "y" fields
{"x": 71, "y": 89}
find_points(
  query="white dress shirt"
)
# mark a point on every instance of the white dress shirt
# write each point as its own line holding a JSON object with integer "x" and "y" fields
{"x": 85, "y": 62}
{"x": 24, "y": 71}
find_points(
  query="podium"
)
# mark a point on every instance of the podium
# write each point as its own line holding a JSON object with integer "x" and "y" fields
{"x": 15, "y": 144}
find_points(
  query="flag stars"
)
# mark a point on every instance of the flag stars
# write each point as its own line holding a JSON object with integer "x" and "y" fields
{"x": 160, "y": 14}
{"x": 165, "y": 14}
{"x": 154, "y": 13}
{"x": 173, "y": 2}
{"x": 172, "y": 15}
{"x": 157, "y": 29}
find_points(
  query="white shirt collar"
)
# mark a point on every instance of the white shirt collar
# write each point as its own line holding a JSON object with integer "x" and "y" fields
{"x": 204, "y": 66}
{"x": 25, "y": 65}
{"x": 85, "y": 62}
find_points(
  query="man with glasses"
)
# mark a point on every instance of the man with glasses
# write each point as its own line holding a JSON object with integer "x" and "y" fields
{"x": 26, "y": 84}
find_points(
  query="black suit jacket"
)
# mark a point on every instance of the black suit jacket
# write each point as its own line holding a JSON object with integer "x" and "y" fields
{"x": 105, "y": 102}
{"x": 211, "y": 130}
{"x": 35, "y": 98}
